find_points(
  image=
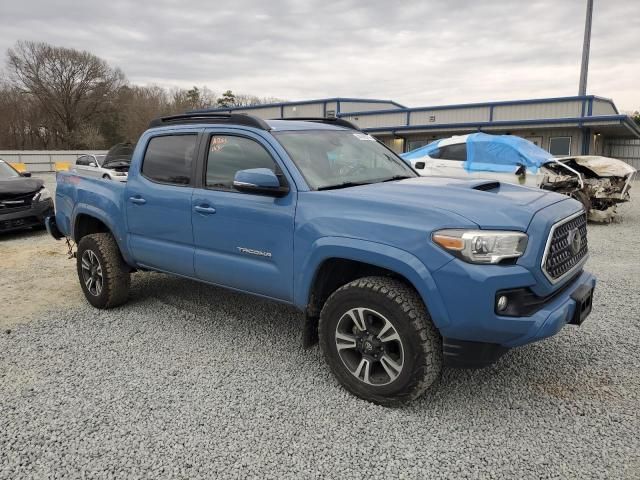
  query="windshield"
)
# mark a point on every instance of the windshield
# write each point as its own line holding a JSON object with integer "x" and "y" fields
{"x": 337, "y": 158}
{"x": 6, "y": 171}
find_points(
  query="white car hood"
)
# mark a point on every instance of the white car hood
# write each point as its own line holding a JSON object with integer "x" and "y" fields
{"x": 604, "y": 166}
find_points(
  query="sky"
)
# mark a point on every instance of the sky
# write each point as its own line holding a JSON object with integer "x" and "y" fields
{"x": 418, "y": 53}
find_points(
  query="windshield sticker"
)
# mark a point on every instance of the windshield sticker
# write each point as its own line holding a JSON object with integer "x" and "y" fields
{"x": 364, "y": 137}
{"x": 217, "y": 143}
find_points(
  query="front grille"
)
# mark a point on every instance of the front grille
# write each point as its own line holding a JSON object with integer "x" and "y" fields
{"x": 566, "y": 247}
{"x": 15, "y": 203}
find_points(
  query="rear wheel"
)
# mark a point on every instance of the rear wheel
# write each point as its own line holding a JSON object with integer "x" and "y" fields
{"x": 379, "y": 341}
{"x": 103, "y": 274}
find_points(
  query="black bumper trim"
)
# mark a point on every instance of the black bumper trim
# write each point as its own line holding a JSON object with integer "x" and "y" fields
{"x": 466, "y": 354}
{"x": 522, "y": 302}
{"x": 30, "y": 217}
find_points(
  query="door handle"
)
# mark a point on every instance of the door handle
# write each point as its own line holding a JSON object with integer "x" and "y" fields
{"x": 205, "y": 209}
{"x": 137, "y": 200}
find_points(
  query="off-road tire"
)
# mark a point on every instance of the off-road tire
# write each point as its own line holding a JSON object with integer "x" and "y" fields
{"x": 115, "y": 272}
{"x": 421, "y": 340}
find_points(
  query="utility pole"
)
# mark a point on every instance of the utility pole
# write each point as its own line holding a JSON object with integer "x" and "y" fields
{"x": 584, "y": 69}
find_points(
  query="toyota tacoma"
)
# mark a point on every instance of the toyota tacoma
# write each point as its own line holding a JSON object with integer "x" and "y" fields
{"x": 397, "y": 275}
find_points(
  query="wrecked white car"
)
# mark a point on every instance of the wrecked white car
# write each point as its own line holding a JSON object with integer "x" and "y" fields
{"x": 599, "y": 183}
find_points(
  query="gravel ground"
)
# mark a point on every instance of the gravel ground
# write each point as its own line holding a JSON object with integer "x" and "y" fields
{"x": 191, "y": 381}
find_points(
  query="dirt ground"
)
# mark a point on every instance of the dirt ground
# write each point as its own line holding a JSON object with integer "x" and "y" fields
{"x": 37, "y": 275}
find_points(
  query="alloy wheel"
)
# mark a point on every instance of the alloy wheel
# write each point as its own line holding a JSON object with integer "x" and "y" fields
{"x": 92, "y": 272}
{"x": 369, "y": 346}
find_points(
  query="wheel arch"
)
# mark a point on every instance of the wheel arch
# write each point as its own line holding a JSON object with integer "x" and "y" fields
{"x": 337, "y": 261}
{"x": 88, "y": 220}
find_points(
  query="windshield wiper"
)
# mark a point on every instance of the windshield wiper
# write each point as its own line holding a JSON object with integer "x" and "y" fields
{"x": 397, "y": 177}
{"x": 342, "y": 185}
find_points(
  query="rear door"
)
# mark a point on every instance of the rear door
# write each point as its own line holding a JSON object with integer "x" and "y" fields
{"x": 158, "y": 204}
{"x": 242, "y": 240}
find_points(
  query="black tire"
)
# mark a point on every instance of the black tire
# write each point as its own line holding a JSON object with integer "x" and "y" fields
{"x": 113, "y": 271}
{"x": 106, "y": 177}
{"x": 420, "y": 342}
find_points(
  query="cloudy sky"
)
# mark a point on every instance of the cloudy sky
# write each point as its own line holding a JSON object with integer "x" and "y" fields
{"x": 415, "y": 52}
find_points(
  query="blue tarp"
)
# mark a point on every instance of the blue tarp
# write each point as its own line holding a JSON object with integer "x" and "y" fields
{"x": 493, "y": 153}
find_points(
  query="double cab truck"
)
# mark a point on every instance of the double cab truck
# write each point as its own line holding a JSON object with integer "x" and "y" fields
{"x": 397, "y": 275}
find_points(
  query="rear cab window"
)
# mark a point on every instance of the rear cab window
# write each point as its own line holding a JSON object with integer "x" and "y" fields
{"x": 169, "y": 159}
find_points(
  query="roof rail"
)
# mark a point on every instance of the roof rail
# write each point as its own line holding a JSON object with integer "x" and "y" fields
{"x": 207, "y": 117}
{"x": 329, "y": 120}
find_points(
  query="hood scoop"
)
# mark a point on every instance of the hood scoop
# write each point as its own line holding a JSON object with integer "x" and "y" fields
{"x": 487, "y": 186}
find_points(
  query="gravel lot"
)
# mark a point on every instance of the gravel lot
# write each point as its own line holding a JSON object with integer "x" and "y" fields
{"x": 191, "y": 381}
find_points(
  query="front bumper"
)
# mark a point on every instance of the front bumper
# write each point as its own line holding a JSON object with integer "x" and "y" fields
{"x": 469, "y": 296}
{"x": 28, "y": 217}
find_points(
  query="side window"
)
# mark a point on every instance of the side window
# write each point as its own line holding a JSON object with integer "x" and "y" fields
{"x": 454, "y": 152}
{"x": 83, "y": 160}
{"x": 228, "y": 154}
{"x": 168, "y": 159}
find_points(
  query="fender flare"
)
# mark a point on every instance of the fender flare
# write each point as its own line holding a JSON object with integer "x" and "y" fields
{"x": 92, "y": 211}
{"x": 373, "y": 253}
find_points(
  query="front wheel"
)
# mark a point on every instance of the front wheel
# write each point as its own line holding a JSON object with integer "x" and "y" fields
{"x": 103, "y": 274}
{"x": 379, "y": 341}
{"x": 106, "y": 177}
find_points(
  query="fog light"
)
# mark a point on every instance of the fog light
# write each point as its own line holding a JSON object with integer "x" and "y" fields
{"x": 502, "y": 303}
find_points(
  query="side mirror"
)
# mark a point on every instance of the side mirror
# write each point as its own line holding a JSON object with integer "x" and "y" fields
{"x": 25, "y": 174}
{"x": 93, "y": 164}
{"x": 419, "y": 165}
{"x": 259, "y": 180}
{"x": 522, "y": 170}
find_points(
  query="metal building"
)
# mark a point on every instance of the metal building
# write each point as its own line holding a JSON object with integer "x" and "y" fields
{"x": 579, "y": 125}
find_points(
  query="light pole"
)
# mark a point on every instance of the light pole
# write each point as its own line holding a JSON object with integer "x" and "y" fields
{"x": 586, "y": 46}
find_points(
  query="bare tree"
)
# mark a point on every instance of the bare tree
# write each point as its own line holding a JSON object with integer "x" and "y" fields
{"x": 73, "y": 87}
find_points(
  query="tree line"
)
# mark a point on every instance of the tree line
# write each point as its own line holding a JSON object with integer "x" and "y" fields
{"x": 61, "y": 98}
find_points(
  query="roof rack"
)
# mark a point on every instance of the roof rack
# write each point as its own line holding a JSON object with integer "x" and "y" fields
{"x": 207, "y": 117}
{"x": 329, "y": 120}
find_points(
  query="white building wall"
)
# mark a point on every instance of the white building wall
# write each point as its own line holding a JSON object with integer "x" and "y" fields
{"x": 382, "y": 120}
{"x": 348, "y": 107}
{"x": 447, "y": 116}
{"x": 265, "y": 113}
{"x": 306, "y": 110}
{"x": 625, "y": 149}
{"x": 601, "y": 107}
{"x": 533, "y": 111}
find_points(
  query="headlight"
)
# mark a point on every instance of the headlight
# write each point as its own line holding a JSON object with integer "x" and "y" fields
{"x": 481, "y": 246}
{"x": 119, "y": 174}
{"x": 42, "y": 195}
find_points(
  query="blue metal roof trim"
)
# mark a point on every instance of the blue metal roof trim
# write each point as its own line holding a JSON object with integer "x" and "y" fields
{"x": 477, "y": 125}
{"x": 301, "y": 102}
{"x": 484, "y": 104}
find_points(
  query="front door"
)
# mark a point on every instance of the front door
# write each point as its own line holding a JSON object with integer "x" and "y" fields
{"x": 242, "y": 240}
{"x": 158, "y": 204}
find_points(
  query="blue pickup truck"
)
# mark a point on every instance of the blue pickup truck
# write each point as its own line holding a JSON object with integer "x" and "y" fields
{"x": 397, "y": 275}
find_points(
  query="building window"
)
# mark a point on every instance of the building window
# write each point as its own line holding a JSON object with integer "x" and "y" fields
{"x": 560, "y": 146}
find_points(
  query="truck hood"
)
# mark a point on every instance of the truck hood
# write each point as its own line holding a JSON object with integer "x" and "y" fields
{"x": 489, "y": 204}
{"x": 19, "y": 186}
